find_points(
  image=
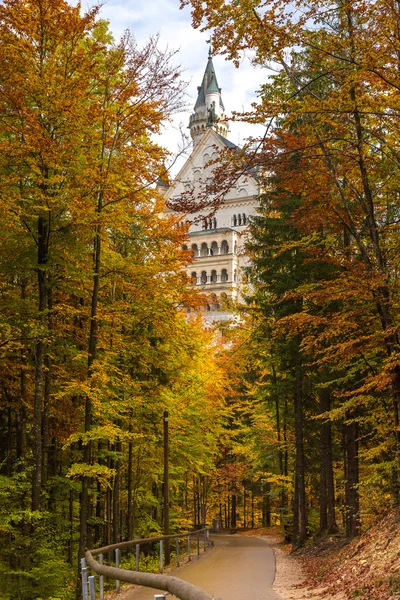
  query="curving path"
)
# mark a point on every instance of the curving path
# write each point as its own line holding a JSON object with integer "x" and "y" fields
{"x": 237, "y": 568}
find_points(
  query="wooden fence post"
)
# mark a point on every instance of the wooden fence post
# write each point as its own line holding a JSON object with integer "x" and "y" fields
{"x": 177, "y": 552}
{"x": 189, "y": 559}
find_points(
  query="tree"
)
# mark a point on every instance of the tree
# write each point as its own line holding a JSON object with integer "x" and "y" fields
{"x": 92, "y": 283}
{"x": 332, "y": 105}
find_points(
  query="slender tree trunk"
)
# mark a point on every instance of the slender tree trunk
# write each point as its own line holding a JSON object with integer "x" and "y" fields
{"x": 116, "y": 493}
{"x": 252, "y": 507}
{"x": 45, "y": 422}
{"x": 244, "y": 506}
{"x": 71, "y": 526}
{"x": 396, "y": 423}
{"x": 21, "y": 410}
{"x": 40, "y": 353}
{"x": 233, "y": 517}
{"x": 186, "y": 493}
{"x": 130, "y": 490}
{"x": 92, "y": 353}
{"x": 352, "y": 494}
{"x": 267, "y": 499}
{"x": 284, "y": 494}
{"x": 299, "y": 514}
{"x": 47, "y": 391}
{"x": 323, "y": 486}
{"x": 330, "y": 481}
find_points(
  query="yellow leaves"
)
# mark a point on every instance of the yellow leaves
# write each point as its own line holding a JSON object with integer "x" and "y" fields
{"x": 98, "y": 472}
{"x": 107, "y": 431}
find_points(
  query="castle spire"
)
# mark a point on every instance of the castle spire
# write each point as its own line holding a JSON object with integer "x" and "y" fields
{"x": 209, "y": 110}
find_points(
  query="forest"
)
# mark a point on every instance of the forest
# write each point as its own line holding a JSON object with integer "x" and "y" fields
{"x": 291, "y": 416}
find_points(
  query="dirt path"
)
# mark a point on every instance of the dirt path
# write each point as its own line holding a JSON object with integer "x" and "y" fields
{"x": 290, "y": 582}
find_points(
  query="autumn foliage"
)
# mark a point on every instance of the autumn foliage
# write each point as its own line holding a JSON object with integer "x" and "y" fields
{"x": 94, "y": 342}
{"x": 325, "y": 250}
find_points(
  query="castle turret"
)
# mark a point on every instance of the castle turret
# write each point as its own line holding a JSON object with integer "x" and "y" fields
{"x": 209, "y": 110}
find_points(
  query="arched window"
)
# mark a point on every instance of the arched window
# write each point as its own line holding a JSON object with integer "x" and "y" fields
{"x": 195, "y": 250}
{"x": 235, "y": 248}
{"x": 214, "y": 223}
{"x": 244, "y": 219}
{"x": 214, "y": 302}
{"x": 234, "y": 221}
{"x": 184, "y": 247}
{"x": 194, "y": 277}
{"x": 224, "y": 275}
{"x": 239, "y": 218}
{"x": 214, "y": 248}
{"x": 235, "y": 275}
{"x": 213, "y": 276}
{"x": 203, "y": 278}
{"x": 224, "y": 247}
{"x": 204, "y": 249}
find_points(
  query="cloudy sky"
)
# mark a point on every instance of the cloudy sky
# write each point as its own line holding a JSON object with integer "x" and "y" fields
{"x": 149, "y": 17}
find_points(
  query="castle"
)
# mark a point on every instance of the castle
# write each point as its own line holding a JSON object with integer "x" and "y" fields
{"x": 216, "y": 241}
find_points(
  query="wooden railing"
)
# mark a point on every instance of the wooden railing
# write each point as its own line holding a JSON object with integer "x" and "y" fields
{"x": 181, "y": 589}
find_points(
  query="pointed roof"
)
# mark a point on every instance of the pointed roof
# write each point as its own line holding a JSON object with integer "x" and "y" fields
{"x": 208, "y": 85}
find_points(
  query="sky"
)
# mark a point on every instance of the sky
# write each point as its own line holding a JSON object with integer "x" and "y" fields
{"x": 146, "y": 18}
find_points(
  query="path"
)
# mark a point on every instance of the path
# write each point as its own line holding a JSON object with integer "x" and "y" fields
{"x": 237, "y": 568}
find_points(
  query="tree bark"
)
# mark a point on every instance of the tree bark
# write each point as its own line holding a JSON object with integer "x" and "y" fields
{"x": 92, "y": 353}
{"x": 233, "y": 517}
{"x": 130, "y": 490}
{"x": 300, "y": 509}
{"x": 40, "y": 353}
{"x": 116, "y": 494}
{"x": 352, "y": 494}
{"x": 327, "y": 488}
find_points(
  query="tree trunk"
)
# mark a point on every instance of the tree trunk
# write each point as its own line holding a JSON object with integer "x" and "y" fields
{"x": 244, "y": 506}
{"x": 92, "y": 353}
{"x": 352, "y": 494}
{"x": 130, "y": 491}
{"x": 40, "y": 353}
{"x": 299, "y": 513}
{"x": 21, "y": 410}
{"x": 233, "y": 517}
{"x": 116, "y": 490}
{"x": 327, "y": 484}
{"x": 71, "y": 526}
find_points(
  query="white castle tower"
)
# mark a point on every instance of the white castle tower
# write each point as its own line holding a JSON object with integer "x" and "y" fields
{"x": 209, "y": 110}
{"x": 217, "y": 240}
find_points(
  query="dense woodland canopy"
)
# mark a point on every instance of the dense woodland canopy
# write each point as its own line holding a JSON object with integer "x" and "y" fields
{"x": 294, "y": 418}
{"x": 323, "y": 363}
{"x": 94, "y": 342}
